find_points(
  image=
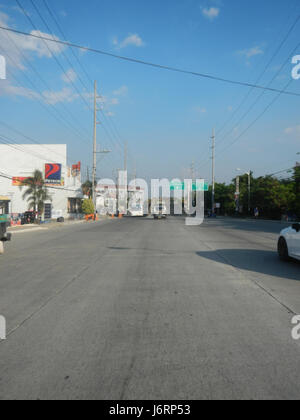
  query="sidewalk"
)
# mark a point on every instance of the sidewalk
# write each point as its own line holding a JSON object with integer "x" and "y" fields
{"x": 46, "y": 226}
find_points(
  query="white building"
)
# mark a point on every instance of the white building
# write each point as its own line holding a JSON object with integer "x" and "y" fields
{"x": 110, "y": 198}
{"x": 17, "y": 162}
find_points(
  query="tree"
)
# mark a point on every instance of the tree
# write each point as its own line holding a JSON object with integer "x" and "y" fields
{"x": 296, "y": 179}
{"x": 36, "y": 192}
{"x": 88, "y": 206}
{"x": 87, "y": 188}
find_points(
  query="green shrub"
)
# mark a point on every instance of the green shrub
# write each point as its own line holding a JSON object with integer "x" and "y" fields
{"x": 88, "y": 206}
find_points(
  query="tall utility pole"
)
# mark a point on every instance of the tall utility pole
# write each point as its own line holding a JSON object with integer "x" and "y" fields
{"x": 125, "y": 156}
{"x": 193, "y": 171}
{"x": 237, "y": 194}
{"x": 249, "y": 192}
{"x": 95, "y": 147}
{"x": 213, "y": 172}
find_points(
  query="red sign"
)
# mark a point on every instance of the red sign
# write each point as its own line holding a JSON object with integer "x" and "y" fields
{"x": 18, "y": 181}
{"x": 76, "y": 169}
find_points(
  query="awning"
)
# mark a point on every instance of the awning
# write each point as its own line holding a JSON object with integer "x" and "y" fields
{"x": 4, "y": 198}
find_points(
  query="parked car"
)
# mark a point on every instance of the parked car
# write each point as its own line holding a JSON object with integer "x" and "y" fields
{"x": 289, "y": 243}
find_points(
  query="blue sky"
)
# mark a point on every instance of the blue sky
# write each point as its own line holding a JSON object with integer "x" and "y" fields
{"x": 166, "y": 118}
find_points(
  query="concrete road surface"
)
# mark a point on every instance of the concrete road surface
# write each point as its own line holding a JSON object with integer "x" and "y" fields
{"x": 149, "y": 309}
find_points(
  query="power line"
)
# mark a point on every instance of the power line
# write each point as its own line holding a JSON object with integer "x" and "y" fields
{"x": 64, "y": 36}
{"x": 262, "y": 93}
{"x": 58, "y": 116}
{"x": 150, "y": 64}
{"x": 262, "y": 74}
{"x": 256, "y": 119}
{"x": 109, "y": 122}
{"x": 47, "y": 46}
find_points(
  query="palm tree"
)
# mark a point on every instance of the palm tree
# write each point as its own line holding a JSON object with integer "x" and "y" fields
{"x": 36, "y": 193}
{"x": 87, "y": 188}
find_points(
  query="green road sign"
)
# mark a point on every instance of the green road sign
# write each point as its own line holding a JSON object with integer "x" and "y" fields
{"x": 180, "y": 186}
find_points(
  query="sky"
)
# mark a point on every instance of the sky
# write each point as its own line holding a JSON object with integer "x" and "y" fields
{"x": 166, "y": 118}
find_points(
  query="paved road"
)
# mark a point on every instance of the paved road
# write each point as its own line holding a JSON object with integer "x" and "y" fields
{"x": 144, "y": 309}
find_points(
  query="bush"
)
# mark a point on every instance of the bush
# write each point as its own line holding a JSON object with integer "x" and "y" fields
{"x": 88, "y": 206}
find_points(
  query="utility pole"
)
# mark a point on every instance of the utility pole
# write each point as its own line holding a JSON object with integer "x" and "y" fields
{"x": 237, "y": 194}
{"x": 213, "y": 172}
{"x": 95, "y": 149}
{"x": 249, "y": 192}
{"x": 125, "y": 156}
{"x": 193, "y": 171}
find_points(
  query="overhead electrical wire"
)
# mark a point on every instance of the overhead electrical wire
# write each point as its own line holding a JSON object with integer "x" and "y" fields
{"x": 114, "y": 134}
{"x": 261, "y": 74}
{"x": 150, "y": 64}
{"x": 257, "y": 100}
{"x": 44, "y": 104}
{"x": 108, "y": 121}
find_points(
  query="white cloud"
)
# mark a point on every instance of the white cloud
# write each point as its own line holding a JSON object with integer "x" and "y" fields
{"x": 7, "y": 89}
{"x": 15, "y": 46}
{"x": 251, "y": 52}
{"x": 293, "y": 130}
{"x": 62, "y": 96}
{"x": 69, "y": 77}
{"x": 122, "y": 91}
{"x": 211, "y": 13}
{"x": 131, "y": 40}
{"x": 66, "y": 95}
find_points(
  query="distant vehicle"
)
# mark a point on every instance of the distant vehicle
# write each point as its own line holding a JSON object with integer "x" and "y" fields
{"x": 289, "y": 243}
{"x": 160, "y": 211}
{"x": 4, "y": 223}
{"x": 136, "y": 211}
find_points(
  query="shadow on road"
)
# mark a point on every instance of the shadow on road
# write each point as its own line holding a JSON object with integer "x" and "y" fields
{"x": 263, "y": 262}
{"x": 249, "y": 225}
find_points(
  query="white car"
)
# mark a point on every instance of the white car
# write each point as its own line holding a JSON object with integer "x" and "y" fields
{"x": 289, "y": 243}
{"x": 136, "y": 211}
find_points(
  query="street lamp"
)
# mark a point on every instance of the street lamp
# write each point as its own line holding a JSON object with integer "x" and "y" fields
{"x": 249, "y": 188}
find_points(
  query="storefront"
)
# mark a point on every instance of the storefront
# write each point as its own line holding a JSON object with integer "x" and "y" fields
{"x": 63, "y": 181}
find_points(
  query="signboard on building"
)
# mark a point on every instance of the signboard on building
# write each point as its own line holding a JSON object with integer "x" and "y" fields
{"x": 76, "y": 169}
{"x": 18, "y": 181}
{"x": 53, "y": 174}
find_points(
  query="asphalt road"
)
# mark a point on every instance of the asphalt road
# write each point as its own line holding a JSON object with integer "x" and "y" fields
{"x": 145, "y": 309}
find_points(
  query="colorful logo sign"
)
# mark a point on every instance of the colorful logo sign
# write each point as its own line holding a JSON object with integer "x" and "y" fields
{"x": 19, "y": 181}
{"x": 53, "y": 174}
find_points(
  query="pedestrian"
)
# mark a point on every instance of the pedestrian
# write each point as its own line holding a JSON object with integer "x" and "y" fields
{"x": 256, "y": 213}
